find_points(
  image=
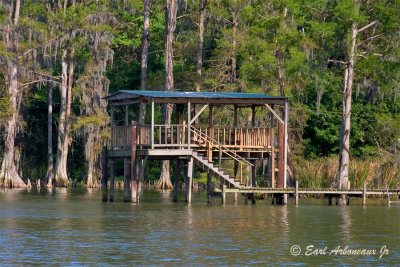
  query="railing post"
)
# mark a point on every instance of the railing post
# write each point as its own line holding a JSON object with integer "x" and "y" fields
{"x": 220, "y": 156}
{"x": 296, "y": 200}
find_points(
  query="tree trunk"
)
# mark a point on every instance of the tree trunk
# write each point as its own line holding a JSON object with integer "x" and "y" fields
{"x": 344, "y": 138}
{"x": 170, "y": 25}
{"x": 145, "y": 55}
{"x": 50, "y": 170}
{"x": 9, "y": 176}
{"x": 281, "y": 71}
{"x": 235, "y": 22}
{"x": 92, "y": 159}
{"x": 61, "y": 176}
{"x": 200, "y": 44}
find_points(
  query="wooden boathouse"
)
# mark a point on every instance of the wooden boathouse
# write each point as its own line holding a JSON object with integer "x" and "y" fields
{"x": 255, "y": 131}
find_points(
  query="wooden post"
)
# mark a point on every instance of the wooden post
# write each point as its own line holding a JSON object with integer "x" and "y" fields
{"x": 285, "y": 148}
{"x": 112, "y": 174}
{"x": 188, "y": 181}
{"x": 253, "y": 181}
{"x": 152, "y": 126}
{"x": 104, "y": 173}
{"x": 235, "y": 124}
{"x": 208, "y": 188}
{"x": 134, "y": 165}
{"x": 177, "y": 174}
{"x": 388, "y": 195}
{"x": 272, "y": 138}
{"x": 112, "y": 127}
{"x": 296, "y": 199}
{"x": 189, "y": 124}
{"x": 210, "y": 132}
{"x": 126, "y": 115}
{"x": 223, "y": 194}
{"x": 235, "y": 197}
{"x": 281, "y": 156}
{"x": 364, "y": 201}
{"x": 127, "y": 177}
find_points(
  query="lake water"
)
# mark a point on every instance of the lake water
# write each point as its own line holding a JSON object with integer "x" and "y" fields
{"x": 73, "y": 227}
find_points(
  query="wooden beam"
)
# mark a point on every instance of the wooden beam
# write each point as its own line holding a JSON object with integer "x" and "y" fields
{"x": 273, "y": 112}
{"x": 198, "y": 113}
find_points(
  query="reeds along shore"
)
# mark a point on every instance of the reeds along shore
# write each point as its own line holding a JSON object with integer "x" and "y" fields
{"x": 322, "y": 173}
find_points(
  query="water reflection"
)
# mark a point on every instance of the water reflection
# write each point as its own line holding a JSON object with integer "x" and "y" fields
{"x": 160, "y": 232}
{"x": 345, "y": 225}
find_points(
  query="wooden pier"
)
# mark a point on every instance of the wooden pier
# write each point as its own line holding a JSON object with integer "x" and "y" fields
{"x": 255, "y": 134}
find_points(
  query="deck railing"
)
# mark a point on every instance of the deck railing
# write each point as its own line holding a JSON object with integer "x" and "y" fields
{"x": 175, "y": 136}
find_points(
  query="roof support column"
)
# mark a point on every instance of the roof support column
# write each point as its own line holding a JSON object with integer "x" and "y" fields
{"x": 152, "y": 125}
{"x": 286, "y": 114}
{"x": 189, "y": 123}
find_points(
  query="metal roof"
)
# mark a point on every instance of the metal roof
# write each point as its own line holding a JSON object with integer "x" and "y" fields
{"x": 200, "y": 97}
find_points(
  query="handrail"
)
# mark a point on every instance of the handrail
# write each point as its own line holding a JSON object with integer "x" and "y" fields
{"x": 225, "y": 150}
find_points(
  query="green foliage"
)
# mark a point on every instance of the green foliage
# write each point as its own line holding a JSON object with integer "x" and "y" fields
{"x": 303, "y": 39}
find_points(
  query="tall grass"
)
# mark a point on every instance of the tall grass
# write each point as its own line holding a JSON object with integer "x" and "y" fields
{"x": 323, "y": 173}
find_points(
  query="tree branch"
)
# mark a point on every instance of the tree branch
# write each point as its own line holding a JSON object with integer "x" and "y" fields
{"x": 369, "y": 39}
{"x": 367, "y": 26}
{"x": 337, "y": 61}
{"x": 182, "y": 16}
{"x": 38, "y": 81}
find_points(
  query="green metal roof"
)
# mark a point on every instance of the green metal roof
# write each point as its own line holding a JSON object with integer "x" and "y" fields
{"x": 180, "y": 97}
{"x": 177, "y": 94}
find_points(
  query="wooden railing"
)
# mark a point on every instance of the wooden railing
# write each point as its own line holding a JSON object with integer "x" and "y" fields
{"x": 175, "y": 135}
{"x": 121, "y": 136}
{"x": 240, "y": 137}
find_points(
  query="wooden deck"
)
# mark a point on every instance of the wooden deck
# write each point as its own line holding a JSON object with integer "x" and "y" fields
{"x": 176, "y": 136}
{"x": 319, "y": 191}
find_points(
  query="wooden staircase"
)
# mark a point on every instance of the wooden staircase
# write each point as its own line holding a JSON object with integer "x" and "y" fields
{"x": 209, "y": 167}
